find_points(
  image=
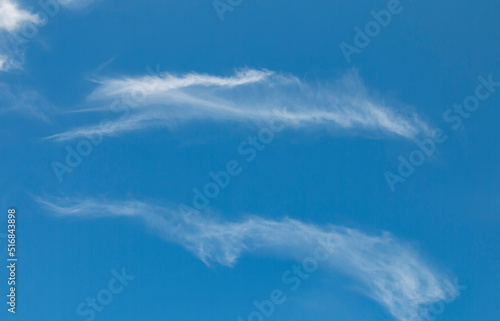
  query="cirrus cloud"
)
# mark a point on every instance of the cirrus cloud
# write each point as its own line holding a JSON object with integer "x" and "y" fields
{"x": 250, "y": 96}
{"x": 390, "y": 271}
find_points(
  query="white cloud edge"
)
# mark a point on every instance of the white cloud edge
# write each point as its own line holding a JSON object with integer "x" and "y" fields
{"x": 391, "y": 271}
{"x": 13, "y": 17}
{"x": 248, "y": 95}
{"x": 3, "y": 60}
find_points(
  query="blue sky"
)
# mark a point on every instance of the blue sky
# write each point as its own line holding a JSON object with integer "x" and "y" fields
{"x": 230, "y": 160}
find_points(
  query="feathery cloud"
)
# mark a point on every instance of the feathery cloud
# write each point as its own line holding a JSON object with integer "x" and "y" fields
{"x": 12, "y": 20}
{"x": 390, "y": 271}
{"x": 12, "y": 17}
{"x": 25, "y": 101}
{"x": 247, "y": 96}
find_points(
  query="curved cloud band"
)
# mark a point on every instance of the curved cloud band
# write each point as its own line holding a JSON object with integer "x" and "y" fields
{"x": 391, "y": 272}
{"x": 249, "y": 95}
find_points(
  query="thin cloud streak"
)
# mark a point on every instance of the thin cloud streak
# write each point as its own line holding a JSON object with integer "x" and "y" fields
{"x": 390, "y": 271}
{"x": 248, "y": 96}
{"x": 25, "y": 101}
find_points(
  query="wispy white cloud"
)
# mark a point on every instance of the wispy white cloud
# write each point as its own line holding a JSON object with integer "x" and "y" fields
{"x": 11, "y": 60}
{"x": 390, "y": 271}
{"x": 247, "y": 96}
{"x": 3, "y": 60}
{"x": 13, "y": 17}
{"x": 26, "y": 101}
{"x": 15, "y": 29}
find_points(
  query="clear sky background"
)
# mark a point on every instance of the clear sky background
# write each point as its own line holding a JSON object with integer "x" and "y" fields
{"x": 217, "y": 83}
